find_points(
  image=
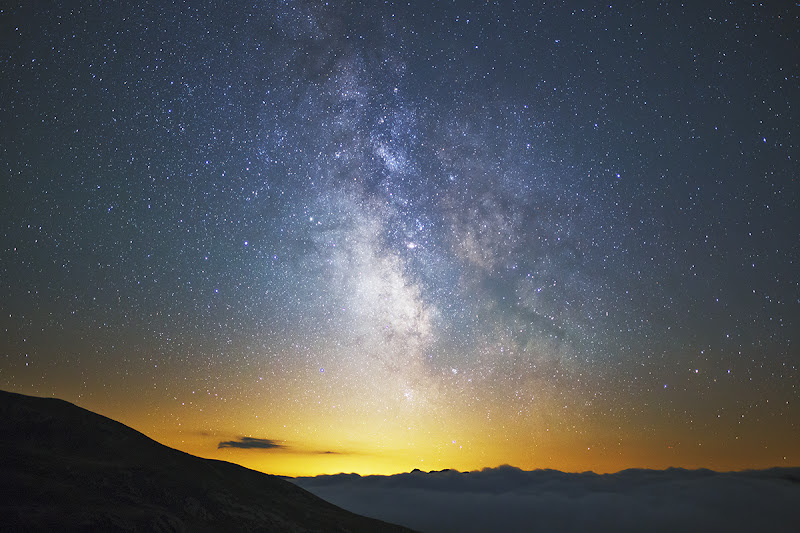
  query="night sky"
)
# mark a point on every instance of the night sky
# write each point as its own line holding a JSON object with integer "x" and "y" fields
{"x": 315, "y": 237}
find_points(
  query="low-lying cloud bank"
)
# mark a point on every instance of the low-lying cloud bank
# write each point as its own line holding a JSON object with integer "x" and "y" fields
{"x": 509, "y": 499}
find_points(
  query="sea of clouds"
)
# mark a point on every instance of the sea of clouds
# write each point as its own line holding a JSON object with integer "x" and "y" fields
{"x": 510, "y": 499}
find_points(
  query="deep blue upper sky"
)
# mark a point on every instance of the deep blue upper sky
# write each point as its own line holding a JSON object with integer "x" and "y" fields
{"x": 590, "y": 201}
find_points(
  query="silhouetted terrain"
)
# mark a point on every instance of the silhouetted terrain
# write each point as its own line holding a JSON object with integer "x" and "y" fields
{"x": 63, "y": 468}
{"x": 510, "y": 499}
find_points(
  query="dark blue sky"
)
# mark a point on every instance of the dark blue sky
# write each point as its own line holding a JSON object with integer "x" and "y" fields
{"x": 498, "y": 207}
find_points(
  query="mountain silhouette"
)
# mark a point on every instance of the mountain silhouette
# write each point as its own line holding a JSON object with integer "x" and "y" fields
{"x": 63, "y": 468}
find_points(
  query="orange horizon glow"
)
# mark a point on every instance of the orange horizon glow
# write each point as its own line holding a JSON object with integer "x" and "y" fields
{"x": 599, "y": 447}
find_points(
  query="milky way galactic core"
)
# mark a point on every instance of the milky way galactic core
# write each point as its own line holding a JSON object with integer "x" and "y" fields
{"x": 314, "y": 237}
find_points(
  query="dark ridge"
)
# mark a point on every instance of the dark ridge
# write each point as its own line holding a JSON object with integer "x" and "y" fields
{"x": 64, "y": 468}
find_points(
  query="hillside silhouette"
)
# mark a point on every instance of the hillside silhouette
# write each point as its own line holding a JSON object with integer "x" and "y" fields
{"x": 64, "y": 468}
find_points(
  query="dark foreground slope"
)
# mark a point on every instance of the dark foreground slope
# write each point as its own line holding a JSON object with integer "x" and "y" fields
{"x": 65, "y": 468}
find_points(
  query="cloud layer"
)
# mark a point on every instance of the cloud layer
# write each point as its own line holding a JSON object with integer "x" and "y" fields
{"x": 509, "y": 499}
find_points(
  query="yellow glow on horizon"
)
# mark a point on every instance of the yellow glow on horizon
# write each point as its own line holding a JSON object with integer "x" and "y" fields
{"x": 385, "y": 431}
{"x": 395, "y": 449}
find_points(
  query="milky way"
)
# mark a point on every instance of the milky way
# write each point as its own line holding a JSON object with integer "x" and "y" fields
{"x": 463, "y": 235}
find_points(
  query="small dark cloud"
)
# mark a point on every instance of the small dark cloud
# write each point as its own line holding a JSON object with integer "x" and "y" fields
{"x": 251, "y": 443}
{"x": 321, "y": 452}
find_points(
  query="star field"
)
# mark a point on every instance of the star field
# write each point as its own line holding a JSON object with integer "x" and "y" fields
{"x": 389, "y": 236}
